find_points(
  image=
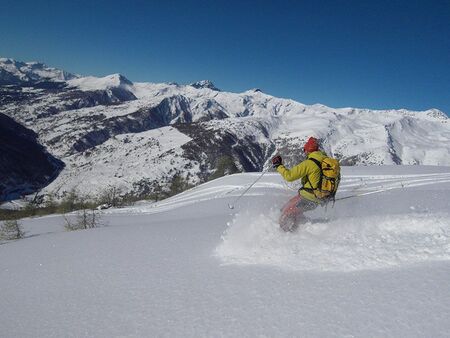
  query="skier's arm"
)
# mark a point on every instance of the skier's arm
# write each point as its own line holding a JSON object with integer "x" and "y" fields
{"x": 295, "y": 173}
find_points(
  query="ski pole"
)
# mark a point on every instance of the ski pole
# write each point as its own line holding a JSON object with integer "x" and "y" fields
{"x": 364, "y": 194}
{"x": 231, "y": 206}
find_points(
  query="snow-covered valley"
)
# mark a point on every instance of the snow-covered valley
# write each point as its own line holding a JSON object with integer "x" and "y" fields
{"x": 374, "y": 265}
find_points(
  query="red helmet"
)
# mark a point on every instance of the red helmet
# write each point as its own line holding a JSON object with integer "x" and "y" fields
{"x": 311, "y": 145}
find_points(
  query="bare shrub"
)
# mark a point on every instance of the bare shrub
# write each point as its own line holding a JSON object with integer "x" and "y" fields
{"x": 85, "y": 219}
{"x": 71, "y": 201}
{"x": 110, "y": 197}
{"x": 10, "y": 230}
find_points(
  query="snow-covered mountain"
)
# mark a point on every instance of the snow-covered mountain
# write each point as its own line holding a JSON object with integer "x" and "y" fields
{"x": 16, "y": 72}
{"x": 139, "y": 136}
{"x": 377, "y": 265}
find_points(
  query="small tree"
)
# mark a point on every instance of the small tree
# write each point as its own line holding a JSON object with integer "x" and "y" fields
{"x": 110, "y": 196}
{"x": 178, "y": 184}
{"x": 71, "y": 201}
{"x": 224, "y": 166}
{"x": 85, "y": 219}
{"x": 50, "y": 203}
{"x": 11, "y": 230}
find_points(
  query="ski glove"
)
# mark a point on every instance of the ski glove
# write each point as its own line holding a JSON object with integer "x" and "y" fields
{"x": 277, "y": 161}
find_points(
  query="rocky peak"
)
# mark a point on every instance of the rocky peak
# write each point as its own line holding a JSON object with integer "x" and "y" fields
{"x": 437, "y": 114}
{"x": 204, "y": 84}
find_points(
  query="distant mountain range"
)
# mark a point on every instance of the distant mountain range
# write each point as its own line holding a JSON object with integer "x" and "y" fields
{"x": 111, "y": 132}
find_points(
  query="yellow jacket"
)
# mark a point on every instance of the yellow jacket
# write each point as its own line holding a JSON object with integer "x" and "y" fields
{"x": 308, "y": 171}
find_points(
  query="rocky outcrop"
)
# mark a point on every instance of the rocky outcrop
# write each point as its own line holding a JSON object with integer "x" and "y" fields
{"x": 210, "y": 146}
{"x": 25, "y": 166}
{"x": 205, "y": 84}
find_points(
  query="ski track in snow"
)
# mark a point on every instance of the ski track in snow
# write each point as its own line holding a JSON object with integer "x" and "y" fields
{"x": 352, "y": 184}
{"x": 188, "y": 266}
{"x": 348, "y": 243}
{"x": 324, "y": 244}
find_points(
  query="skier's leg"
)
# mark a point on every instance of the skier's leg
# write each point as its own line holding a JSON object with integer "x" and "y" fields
{"x": 307, "y": 205}
{"x": 291, "y": 214}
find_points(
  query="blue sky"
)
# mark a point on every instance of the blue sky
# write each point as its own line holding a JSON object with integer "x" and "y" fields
{"x": 370, "y": 54}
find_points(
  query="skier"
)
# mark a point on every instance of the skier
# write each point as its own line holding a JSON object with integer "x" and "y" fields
{"x": 310, "y": 173}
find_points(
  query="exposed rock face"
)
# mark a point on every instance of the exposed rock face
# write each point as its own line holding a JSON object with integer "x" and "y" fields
{"x": 209, "y": 144}
{"x": 25, "y": 166}
{"x": 205, "y": 84}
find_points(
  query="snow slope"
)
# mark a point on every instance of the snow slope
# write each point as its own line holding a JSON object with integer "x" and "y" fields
{"x": 375, "y": 265}
{"x": 95, "y": 83}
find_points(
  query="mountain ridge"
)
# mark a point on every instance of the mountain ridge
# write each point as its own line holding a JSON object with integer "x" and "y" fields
{"x": 113, "y": 128}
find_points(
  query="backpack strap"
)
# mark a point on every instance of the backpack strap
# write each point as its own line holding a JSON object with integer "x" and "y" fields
{"x": 319, "y": 165}
{"x": 316, "y": 162}
{"x": 311, "y": 190}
